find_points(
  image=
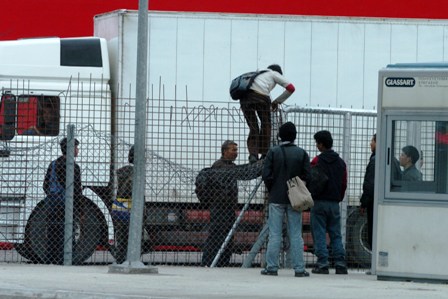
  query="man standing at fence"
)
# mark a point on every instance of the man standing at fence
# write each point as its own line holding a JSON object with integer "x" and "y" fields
{"x": 282, "y": 163}
{"x": 121, "y": 208}
{"x": 54, "y": 187}
{"x": 325, "y": 215}
{"x": 258, "y": 102}
{"x": 224, "y": 204}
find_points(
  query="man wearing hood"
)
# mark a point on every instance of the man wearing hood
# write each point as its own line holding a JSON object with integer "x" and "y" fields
{"x": 325, "y": 215}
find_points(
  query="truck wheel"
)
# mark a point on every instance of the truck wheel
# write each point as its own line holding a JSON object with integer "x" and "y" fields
{"x": 358, "y": 251}
{"x": 88, "y": 231}
{"x": 25, "y": 249}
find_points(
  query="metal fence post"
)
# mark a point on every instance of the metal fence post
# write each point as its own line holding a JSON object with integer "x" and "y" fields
{"x": 346, "y": 148}
{"x": 69, "y": 180}
{"x": 133, "y": 263}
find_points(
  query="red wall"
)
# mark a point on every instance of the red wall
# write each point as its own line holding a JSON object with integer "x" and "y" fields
{"x": 67, "y": 18}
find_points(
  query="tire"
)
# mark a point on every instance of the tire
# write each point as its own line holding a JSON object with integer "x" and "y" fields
{"x": 358, "y": 249}
{"x": 25, "y": 249}
{"x": 89, "y": 230}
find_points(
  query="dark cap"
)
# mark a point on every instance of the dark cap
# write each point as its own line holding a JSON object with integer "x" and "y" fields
{"x": 63, "y": 144}
{"x": 287, "y": 132}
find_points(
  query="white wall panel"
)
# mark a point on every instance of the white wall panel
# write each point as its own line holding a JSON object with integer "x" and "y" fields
{"x": 350, "y": 63}
{"x": 190, "y": 58}
{"x": 297, "y": 65}
{"x": 324, "y": 56}
{"x": 162, "y": 56}
{"x": 430, "y": 43}
{"x": 403, "y": 43}
{"x": 376, "y": 56}
{"x": 216, "y": 59}
{"x": 243, "y": 47}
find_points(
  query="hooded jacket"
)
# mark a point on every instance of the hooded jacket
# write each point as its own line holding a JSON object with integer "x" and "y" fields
{"x": 336, "y": 170}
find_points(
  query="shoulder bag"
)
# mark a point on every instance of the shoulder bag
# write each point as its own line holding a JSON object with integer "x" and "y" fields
{"x": 298, "y": 194}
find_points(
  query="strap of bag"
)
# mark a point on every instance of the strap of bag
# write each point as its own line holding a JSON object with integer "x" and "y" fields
{"x": 284, "y": 159}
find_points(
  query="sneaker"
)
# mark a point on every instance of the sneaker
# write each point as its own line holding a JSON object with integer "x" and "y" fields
{"x": 341, "y": 270}
{"x": 302, "y": 274}
{"x": 318, "y": 270}
{"x": 253, "y": 159}
{"x": 267, "y": 272}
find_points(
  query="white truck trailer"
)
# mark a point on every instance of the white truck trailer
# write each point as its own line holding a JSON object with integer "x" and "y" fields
{"x": 332, "y": 61}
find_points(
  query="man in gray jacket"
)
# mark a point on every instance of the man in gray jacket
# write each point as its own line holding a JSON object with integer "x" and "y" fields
{"x": 282, "y": 163}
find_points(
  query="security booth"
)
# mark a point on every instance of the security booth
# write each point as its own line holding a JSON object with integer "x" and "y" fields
{"x": 411, "y": 201}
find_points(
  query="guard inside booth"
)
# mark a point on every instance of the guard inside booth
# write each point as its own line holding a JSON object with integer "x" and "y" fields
{"x": 411, "y": 202}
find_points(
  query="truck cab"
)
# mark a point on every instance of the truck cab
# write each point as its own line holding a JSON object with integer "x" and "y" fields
{"x": 47, "y": 84}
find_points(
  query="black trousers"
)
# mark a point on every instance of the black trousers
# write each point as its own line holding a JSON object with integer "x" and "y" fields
{"x": 255, "y": 107}
{"x": 221, "y": 221}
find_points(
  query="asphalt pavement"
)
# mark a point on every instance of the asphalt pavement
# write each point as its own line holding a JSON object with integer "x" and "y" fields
{"x": 61, "y": 282}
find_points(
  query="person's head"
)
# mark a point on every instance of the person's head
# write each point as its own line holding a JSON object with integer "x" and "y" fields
{"x": 229, "y": 150}
{"x": 131, "y": 155}
{"x": 50, "y": 113}
{"x": 63, "y": 145}
{"x": 373, "y": 143}
{"x": 276, "y": 68}
{"x": 323, "y": 139}
{"x": 409, "y": 156}
{"x": 287, "y": 132}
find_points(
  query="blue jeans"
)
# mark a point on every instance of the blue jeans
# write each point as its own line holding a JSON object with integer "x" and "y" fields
{"x": 294, "y": 227}
{"x": 326, "y": 217}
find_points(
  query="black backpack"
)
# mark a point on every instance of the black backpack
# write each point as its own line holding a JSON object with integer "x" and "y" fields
{"x": 204, "y": 186}
{"x": 241, "y": 84}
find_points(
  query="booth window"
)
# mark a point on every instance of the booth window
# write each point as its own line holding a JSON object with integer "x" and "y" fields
{"x": 418, "y": 156}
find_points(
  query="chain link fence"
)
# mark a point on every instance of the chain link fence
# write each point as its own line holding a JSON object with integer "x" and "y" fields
{"x": 183, "y": 138}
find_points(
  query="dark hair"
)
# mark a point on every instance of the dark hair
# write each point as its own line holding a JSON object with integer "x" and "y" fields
{"x": 63, "y": 145}
{"x": 411, "y": 152}
{"x": 324, "y": 137}
{"x": 287, "y": 132}
{"x": 276, "y": 67}
{"x": 131, "y": 155}
{"x": 226, "y": 145}
{"x": 374, "y": 137}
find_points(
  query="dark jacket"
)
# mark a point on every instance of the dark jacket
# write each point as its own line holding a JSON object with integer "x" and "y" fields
{"x": 60, "y": 174}
{"x": 336, "y": 171}
{"x": 124, "y": 181}
{"x": 368, "y": 185}
{"x": 225, "y": 179}
{"x": 275, "y": 174}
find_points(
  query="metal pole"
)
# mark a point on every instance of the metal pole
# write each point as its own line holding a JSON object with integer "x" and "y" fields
{"x": 133, "y": 263}
{"x": 346, "y": 150}
{"x": 69, "y": 179}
